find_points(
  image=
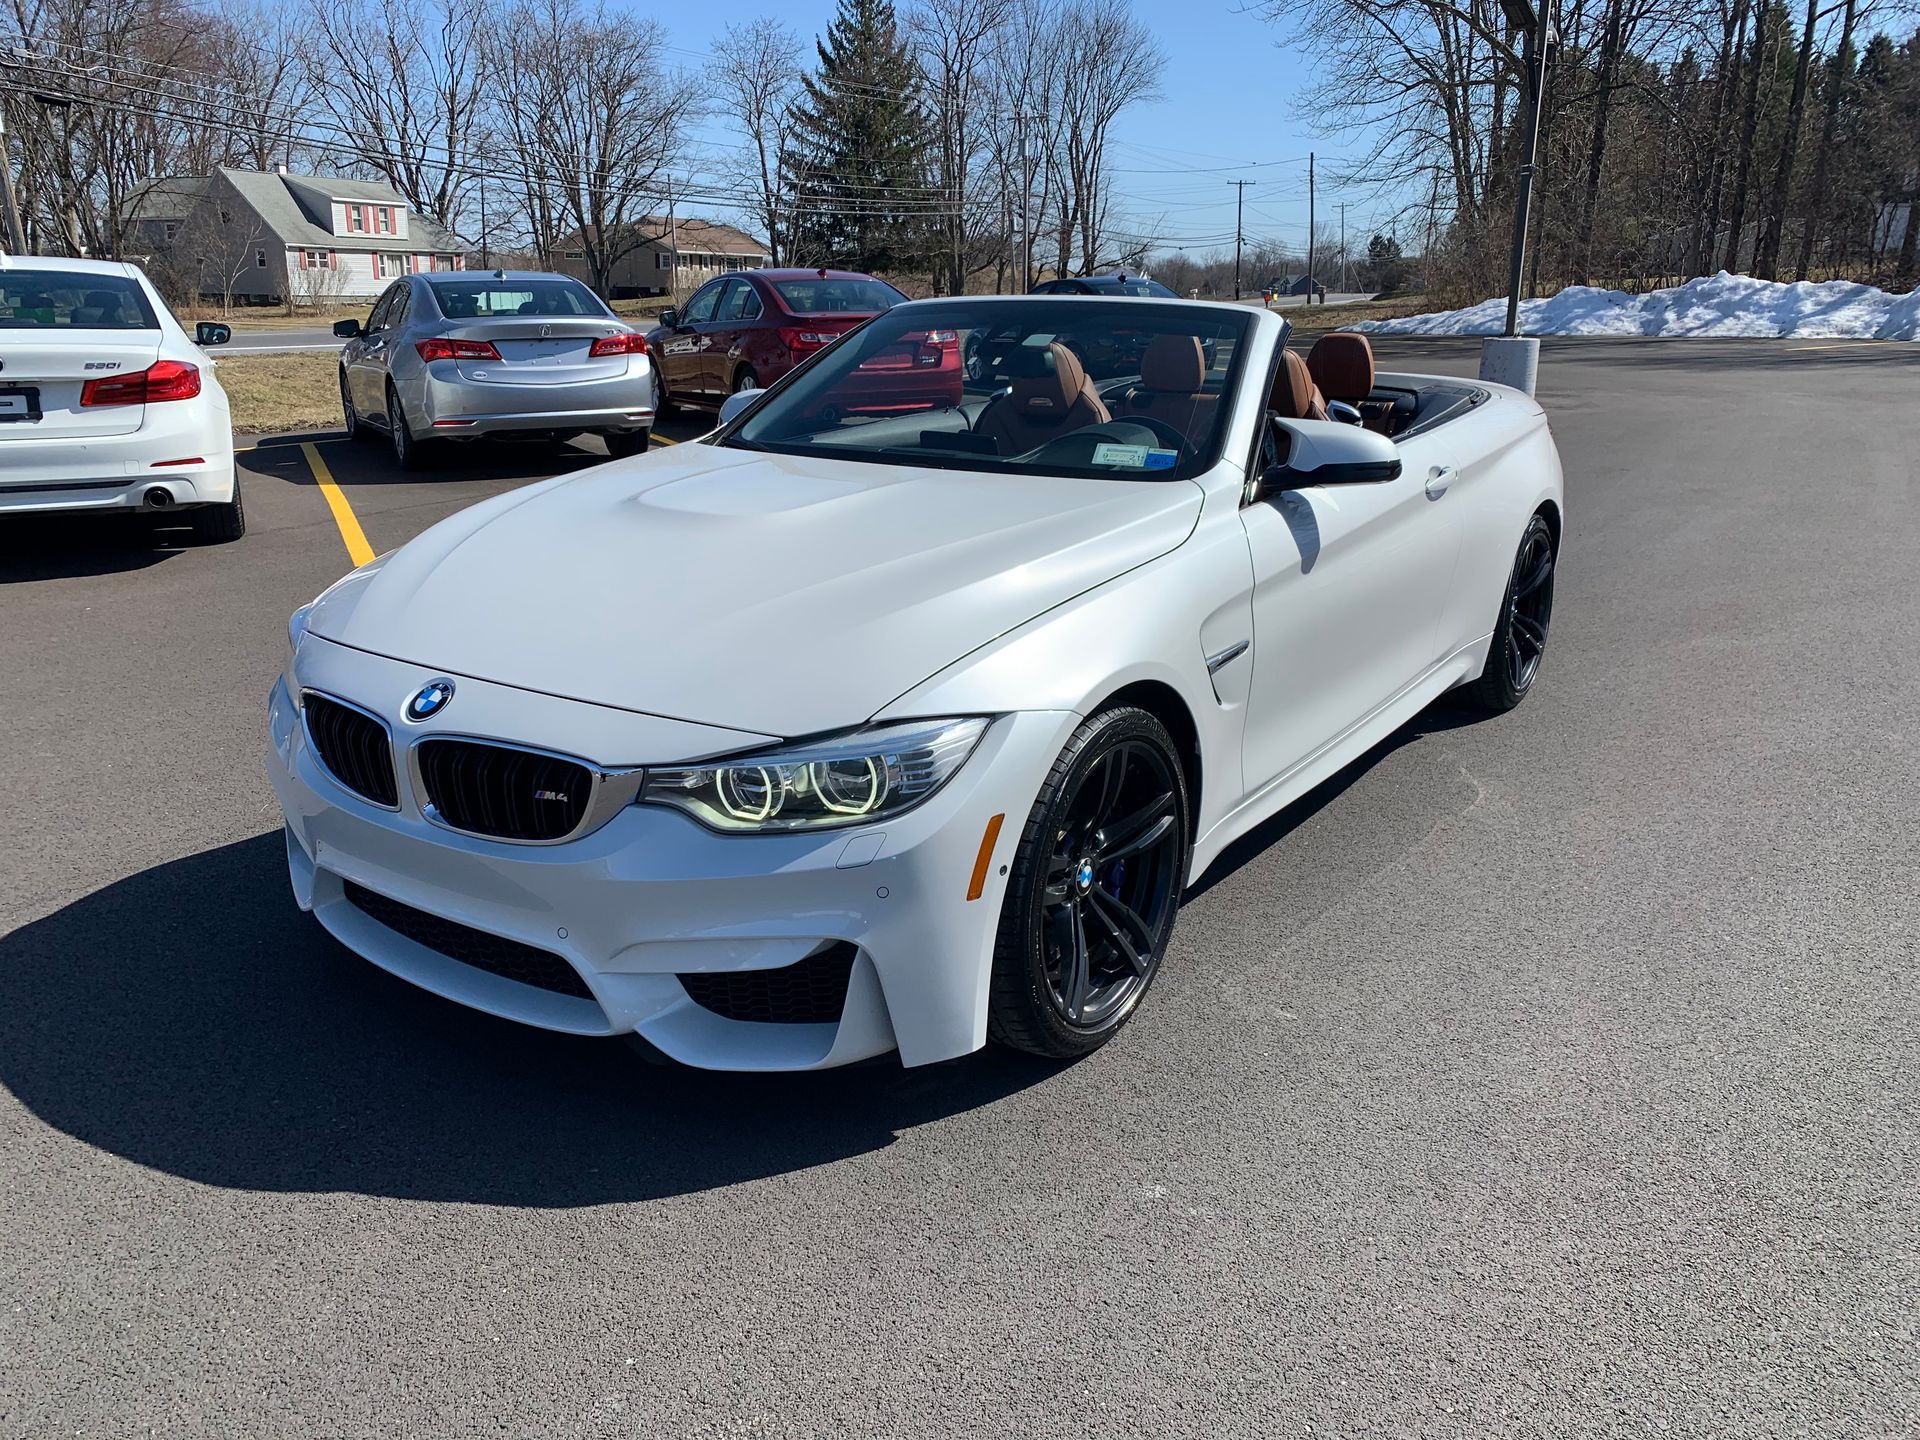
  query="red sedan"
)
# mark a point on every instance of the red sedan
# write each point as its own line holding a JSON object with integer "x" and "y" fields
{"x": 745, "y": 330}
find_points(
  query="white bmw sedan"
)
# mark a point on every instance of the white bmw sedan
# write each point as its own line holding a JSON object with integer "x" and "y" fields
{"x": 882, "y": 722}
{"x": 105, "y": 403}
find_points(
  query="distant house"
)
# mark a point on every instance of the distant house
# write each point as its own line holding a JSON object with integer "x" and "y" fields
{"x": 700, "y": 249}
{"x": 1295, "y": 285}
{"x": 254, "y": 238}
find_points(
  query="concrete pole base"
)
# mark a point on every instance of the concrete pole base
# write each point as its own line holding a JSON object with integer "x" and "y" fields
{"x": 1511, "y": 360}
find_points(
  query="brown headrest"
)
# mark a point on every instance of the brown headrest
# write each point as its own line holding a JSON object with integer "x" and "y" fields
{"x": 1173, "y": 362}
{"x": 1292, "y": 397}
{"x": 1341, "y": 364}
{"x": 1050, "y": 389}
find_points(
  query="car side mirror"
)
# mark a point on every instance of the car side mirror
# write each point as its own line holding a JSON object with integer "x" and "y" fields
{"x": 347, "y": 329}
{"x": 670, "y": 318}
{"x": 212, "y": 332}
{"x": 737, "y": 404}
{"x": 1328, "y": 452}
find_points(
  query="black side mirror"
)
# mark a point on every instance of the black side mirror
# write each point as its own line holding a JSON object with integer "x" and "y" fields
{"x": 212, "y": 332}
{"x": 670, "y": 318}
{"x": 347, "y": 329}
{"x": 1328, "y": 452}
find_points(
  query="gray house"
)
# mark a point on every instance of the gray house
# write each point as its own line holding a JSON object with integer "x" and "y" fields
{"x": 664, "y": 261}
{"x": 251, "y": 238}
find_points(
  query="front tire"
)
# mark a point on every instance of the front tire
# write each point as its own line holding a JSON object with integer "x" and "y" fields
{"x": 1520, "y": 634}
{"x": 1094, "y": 889}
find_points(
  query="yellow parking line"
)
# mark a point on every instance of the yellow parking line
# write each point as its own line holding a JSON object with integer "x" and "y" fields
{"x": 662, "y": 440}
{"x": 358, "y": 550}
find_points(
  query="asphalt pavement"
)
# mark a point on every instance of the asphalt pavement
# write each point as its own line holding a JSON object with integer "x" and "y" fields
{"x": 1548, "y": 1075}
{"x": 266, "y": 342}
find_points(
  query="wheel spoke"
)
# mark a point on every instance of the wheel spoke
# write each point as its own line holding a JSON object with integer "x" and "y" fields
{"x": 1538, "y": 572}
{"x": 1112, "y": 781}
{"x": 1137, "y": 831}
{"x": 1117, "y": 912}
{"x": 1123, "y": 931}
{"x": 1059, "y": 882}
{"x": 1529, "y": 633}
{"x": 1078, "y": 969}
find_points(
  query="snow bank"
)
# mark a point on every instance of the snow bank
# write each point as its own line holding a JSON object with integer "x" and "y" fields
{"x": 1721, "y": 305}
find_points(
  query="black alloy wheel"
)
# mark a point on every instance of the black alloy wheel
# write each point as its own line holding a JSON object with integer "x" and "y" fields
{"x": 1095, "y": 887}
{"x": 1520, "y": 634}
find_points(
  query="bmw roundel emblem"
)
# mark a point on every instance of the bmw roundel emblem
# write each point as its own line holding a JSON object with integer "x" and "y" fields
{"x": 429, "y": 700}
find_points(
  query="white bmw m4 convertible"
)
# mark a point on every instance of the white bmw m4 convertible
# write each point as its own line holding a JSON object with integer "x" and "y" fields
{"x": 883, "y": 719}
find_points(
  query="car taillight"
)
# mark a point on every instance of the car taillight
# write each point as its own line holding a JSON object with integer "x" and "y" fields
{"x": 635, "y": 344}
{"x": 805, "y": 342}
{"x": 937, "y": 345}
{"x": 162, "y": 380}
{"x": 456, "y": 350}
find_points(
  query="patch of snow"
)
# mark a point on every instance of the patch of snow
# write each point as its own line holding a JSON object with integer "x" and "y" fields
{"x": 1714, "y": 306}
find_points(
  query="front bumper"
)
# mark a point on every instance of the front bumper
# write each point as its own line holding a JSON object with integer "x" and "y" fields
{"x": 651, "y": 895}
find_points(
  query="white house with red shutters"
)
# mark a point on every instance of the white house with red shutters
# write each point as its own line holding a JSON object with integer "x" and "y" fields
{"x": 269, "y": 238}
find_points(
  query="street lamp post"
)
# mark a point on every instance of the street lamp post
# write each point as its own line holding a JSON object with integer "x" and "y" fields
{"x": 1512, "y": 359}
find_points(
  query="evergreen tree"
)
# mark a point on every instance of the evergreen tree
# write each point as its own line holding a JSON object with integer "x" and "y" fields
{"x": 858, "y": 162}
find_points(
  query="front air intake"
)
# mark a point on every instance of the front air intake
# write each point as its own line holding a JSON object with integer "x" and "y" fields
{"x": 812, "y": 991}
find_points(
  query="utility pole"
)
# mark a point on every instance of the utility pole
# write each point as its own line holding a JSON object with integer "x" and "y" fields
{"x": 16, "y": 236}
{"x": 1239, "y": 218}
{"x": 1343, "y": 247}
{"x": 1538, "y": 29}
{"x": 673, "y": 249}
{"x": 1309, "y": 227}
{"x": 1020, "y": 123}
{"x": 485, "y": 260}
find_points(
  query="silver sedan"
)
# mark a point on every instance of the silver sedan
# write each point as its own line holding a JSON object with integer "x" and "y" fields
{"x": 460, "y": 354}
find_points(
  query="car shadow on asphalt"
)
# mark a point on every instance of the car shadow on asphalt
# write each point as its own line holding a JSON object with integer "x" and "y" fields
{"x": 191, "y": 1019}
{"x": 76, "y": 544}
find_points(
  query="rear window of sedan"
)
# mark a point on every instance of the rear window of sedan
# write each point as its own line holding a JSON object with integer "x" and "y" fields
{"x": 63, "y": 300}
{"x": 484, "y": 299}
{"x": 837, "y": 297}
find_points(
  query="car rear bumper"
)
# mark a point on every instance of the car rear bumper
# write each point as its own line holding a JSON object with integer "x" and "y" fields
{"x": 453, "y": 406}
{"x": 632, "y": 909}
{"x": 138, "y": 489}
{"x": 447, "y": 426}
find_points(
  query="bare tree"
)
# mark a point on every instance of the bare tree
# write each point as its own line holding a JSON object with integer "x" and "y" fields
{"x": 595, "y": 121}
{"x": 758, "y": 77}
{"x": 954, "y": 43}
{"x": 403, "y": 81}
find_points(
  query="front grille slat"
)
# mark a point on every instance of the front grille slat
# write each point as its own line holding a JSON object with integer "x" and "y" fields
{"x": 812, "y": 991}
{"x": 495, "y": 789}
{"x": 495, "y": 954}
{"x": 354, "y": 747}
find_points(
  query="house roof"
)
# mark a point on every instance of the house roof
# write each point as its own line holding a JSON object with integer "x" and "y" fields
{"x": 171, "y": 198}
{"x": 296, "y": 209}
{"x": 704, "y": 236}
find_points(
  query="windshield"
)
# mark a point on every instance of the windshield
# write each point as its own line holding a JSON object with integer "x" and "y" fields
{"x": 1133, "y": 287}
{"x": 69, "y": 300}
{"x": 1051, "y": 386}
{"x": 846, "y": 296}
{"x": 482, "y": 299}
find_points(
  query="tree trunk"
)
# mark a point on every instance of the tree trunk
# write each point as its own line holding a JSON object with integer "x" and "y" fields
{"x": 1829, "y": 125}
{"x": 1749, "y": 127}
{"x": 1766, "y": 259}
{"x": 1596, "y": 153}
{"x": 1707, "y": 224}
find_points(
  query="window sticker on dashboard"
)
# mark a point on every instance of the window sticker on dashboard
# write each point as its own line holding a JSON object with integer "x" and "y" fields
{"x": 1134, "y": 457}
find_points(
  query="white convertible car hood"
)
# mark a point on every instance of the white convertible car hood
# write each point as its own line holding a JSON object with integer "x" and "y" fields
{"x": 755, "y": 591}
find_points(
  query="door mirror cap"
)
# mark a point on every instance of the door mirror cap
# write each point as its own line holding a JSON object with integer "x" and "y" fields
{"x": 738, "y": 404}
{"x": 1329, "y": 452}
{"x": 347, "y": 329}
{"x": 670, "y": 318}
{"x": 212, "y": 332}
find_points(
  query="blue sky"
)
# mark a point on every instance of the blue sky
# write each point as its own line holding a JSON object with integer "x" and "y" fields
{"x": 1227, "y": 113}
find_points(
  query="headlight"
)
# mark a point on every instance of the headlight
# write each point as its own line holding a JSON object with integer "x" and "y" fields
{"x": 296, "y": 629}
{"x": 853, "y": 780}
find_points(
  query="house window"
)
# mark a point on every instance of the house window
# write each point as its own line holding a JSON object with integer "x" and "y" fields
{"x": 356, "y": 220}
{"x": 392, "y": 265}
{"x": 573, "y": 254}
{"x": 383, "y": 217}
{"x": 443, "y": 262}
{"x": 314, "y": 260}
{"x": 662, "y": 260}
{"x": 260, "y": 258}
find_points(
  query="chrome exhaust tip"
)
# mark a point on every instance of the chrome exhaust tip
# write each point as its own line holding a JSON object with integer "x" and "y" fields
{"x": 158, "y": 497}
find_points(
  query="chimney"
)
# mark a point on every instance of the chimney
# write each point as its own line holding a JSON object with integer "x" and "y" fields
{"x": 279, "y": 169}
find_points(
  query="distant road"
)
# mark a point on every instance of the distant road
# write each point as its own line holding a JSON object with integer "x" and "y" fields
{"x": 263, "y": 342}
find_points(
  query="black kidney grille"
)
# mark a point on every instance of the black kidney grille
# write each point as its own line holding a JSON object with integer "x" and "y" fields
{"x": 499, "y": 791}
{"x": 508, "y": 959}
{"x": 812, "y": 991}
{"x": 354, "y": 748}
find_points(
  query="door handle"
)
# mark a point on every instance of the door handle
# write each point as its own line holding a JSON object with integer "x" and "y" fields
{"x": 1438, "y": 479}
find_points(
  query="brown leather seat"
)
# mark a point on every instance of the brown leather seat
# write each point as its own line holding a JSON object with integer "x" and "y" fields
{"x": 1341, "y": 363}
{"x": 1173, "y": 374}
{"x": 1050, "y": 397}
{"x": 1295, "y": 396}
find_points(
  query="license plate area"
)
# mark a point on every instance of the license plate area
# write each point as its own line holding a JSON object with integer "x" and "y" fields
{"x": 19, "y": 404}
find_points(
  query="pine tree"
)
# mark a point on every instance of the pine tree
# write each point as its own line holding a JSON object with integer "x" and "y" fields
{"x": 857, "y": 165}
